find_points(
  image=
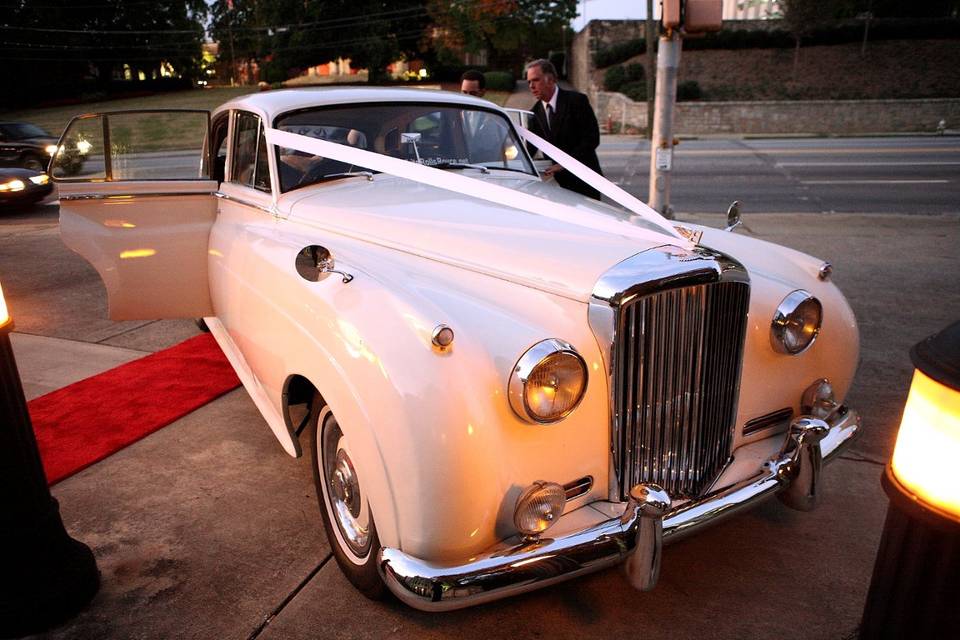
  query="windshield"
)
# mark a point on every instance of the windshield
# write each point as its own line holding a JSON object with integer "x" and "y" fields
{"x": 444, "y": 136}
{"x": 22, "y": 131}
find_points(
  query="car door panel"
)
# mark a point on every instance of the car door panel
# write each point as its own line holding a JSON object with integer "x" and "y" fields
{"x": 142, "y": 212}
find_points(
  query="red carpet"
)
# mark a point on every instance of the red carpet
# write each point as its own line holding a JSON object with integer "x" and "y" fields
{"x": 89, "y": 420}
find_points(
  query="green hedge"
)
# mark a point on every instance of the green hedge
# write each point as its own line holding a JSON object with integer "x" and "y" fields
{"x": 939, "y": 29}
{"x": 615, "y": 77}
{"x": 500, "y": 80}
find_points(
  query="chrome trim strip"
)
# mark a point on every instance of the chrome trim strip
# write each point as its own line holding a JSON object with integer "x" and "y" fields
{"x": 224, "y": 196}
{"x": 652, "y": 271}
{"x": 515, "y": 567}
{"x": 130, "y": 196}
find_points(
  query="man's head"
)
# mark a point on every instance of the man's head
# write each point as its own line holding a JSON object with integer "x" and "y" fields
{"x": 473, "y": 83}
{"x": 542, "y": 79}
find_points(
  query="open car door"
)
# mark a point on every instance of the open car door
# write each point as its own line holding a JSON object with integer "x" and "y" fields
{"x": 137, "y": 202}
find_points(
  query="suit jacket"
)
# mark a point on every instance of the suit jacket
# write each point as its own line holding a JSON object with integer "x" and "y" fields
{"x": 573, "y": 129}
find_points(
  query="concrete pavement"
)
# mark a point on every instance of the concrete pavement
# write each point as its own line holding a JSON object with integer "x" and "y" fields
{"x": 207, "y": 529}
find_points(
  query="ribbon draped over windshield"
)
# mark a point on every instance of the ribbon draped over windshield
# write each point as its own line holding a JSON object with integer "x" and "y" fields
{"x": 664, "y": 234}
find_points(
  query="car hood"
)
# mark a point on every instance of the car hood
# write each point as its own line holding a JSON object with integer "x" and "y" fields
{"x": 527, "y": 248}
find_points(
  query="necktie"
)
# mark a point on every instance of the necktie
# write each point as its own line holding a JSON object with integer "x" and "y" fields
{"x": 549, "y": 116}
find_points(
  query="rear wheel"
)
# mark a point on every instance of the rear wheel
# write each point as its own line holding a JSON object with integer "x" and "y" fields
{"x": 347, "y": 517}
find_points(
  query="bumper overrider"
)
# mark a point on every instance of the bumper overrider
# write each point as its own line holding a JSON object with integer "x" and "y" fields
{"x": 635, "y": 538}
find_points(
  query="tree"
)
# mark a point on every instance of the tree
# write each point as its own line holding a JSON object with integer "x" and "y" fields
{"x": 287, "y": 35}
{"x": 803, "y": 17}
{"x": 55, "y": 50}
{"x": 510, "y": 30}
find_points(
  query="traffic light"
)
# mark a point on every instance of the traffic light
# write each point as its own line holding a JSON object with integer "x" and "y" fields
{"x": 702, "y": 15}
{"x": 695, "y": 16}
{"x": 670, "y": 16}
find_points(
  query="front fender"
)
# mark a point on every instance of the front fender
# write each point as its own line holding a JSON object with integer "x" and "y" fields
{"x": 440, "y": 452}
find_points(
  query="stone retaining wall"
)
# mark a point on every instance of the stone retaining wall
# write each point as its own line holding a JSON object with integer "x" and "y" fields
{"x": 826, "y": 117}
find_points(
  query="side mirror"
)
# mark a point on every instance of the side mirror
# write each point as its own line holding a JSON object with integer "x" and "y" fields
{"x": 733, "y": 216}
{"x": 314, "y": 262}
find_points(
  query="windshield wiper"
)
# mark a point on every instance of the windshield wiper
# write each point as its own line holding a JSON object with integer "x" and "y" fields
{"x": 460, "y": 165}
{"x": 344, "y": 174}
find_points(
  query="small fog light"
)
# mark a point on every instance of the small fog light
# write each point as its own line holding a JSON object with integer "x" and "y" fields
{"x": 539, "y": 507}
{"x": 818, "y": 400}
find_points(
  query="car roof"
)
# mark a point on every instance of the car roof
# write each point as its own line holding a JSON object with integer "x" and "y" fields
{"x": 273, "y": 103}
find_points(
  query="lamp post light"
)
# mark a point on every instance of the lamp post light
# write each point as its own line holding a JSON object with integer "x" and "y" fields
{"x": 915, "y": 591}
{"x": 46, "y": 575}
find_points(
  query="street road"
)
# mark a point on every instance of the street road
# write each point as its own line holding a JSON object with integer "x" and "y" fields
{"x": 808, "y": 175}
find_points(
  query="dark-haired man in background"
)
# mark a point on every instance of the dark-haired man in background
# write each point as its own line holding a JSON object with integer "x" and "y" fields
{"x": 473, "y": 83}
{"x": 565, "y": 119}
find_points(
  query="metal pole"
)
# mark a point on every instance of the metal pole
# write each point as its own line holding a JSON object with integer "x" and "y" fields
{"x": 650, "y": 61}
{"x": 47, "y": 576}
{"x": 661, "y": 145}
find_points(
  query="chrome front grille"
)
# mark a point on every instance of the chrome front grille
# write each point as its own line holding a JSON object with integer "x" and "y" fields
{"x": 676, "y": 372}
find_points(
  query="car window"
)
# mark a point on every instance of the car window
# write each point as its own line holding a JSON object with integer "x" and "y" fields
{"x": 445, "y": 136}
{"x": 218, "y": 140}
{"x": 250, "y": 167}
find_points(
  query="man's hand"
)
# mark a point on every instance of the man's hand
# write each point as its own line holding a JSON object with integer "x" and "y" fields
{"x": 552, "y": 169}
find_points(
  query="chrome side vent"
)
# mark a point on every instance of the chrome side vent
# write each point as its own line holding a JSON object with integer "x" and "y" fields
{"x": 676, "y": 375}
{"x": 776, "y": 421}
{"x": 578, "y": 488}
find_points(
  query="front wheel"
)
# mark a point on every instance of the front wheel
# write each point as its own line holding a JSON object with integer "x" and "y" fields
{"x": 34, "y": 163}
{"x": 347, "y": 518}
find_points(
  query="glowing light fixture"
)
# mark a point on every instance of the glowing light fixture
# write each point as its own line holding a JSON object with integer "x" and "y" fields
{"x": 928, "y": 444}
{"x": 4, "y": 314}
{"x": 915, "y": 578}
{"x": 12, "y": 185}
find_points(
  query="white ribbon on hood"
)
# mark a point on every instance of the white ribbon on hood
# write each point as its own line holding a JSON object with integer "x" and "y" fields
{"x": 479, "y": 188}
{"x": 598, "y": 182}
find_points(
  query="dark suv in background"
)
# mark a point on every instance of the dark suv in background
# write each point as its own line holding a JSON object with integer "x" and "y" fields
{"x": 25, "y": 145}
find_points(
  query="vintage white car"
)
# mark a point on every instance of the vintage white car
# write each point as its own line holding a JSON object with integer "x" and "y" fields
{"x": 501, "y": 384}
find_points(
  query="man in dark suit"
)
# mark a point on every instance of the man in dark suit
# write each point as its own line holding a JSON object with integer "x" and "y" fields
{"x": 565, "y": 119}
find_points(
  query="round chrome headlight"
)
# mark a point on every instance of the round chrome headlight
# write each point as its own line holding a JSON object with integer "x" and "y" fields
{"x": 548, "y": 382}
{"x": 796, "y": 323}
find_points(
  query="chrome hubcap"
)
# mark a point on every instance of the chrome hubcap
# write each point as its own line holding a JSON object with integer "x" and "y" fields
{"x": 348, "y": 505}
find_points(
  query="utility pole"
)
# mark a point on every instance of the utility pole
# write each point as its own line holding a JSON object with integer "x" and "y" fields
{"x": 677, "y": 17}
{"x": 661, "y": 144}
{"x": 649, "y": 62}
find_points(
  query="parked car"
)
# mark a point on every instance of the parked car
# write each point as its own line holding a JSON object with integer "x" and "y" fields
{"x": 26, "y": 145}
{"x": 500, "y": 383}
{"x": 21, "y": 187}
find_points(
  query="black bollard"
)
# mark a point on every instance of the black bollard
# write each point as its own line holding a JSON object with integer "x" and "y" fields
{"x": 47, "y": 576}
{"x": 915, "y": 590}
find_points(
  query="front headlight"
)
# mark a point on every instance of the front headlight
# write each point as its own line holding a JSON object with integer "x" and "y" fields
{"x": 13, "y": 185}
{"x": 547, "y": 382}
{"x": 40, "y": 179}
{"x": 796, "y": 323}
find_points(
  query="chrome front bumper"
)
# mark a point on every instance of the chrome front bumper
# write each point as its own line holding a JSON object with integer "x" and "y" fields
{"x": 635, "y": 538}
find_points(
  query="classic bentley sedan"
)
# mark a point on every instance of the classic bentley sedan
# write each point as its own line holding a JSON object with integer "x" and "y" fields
{"x": 501, "y": 384}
